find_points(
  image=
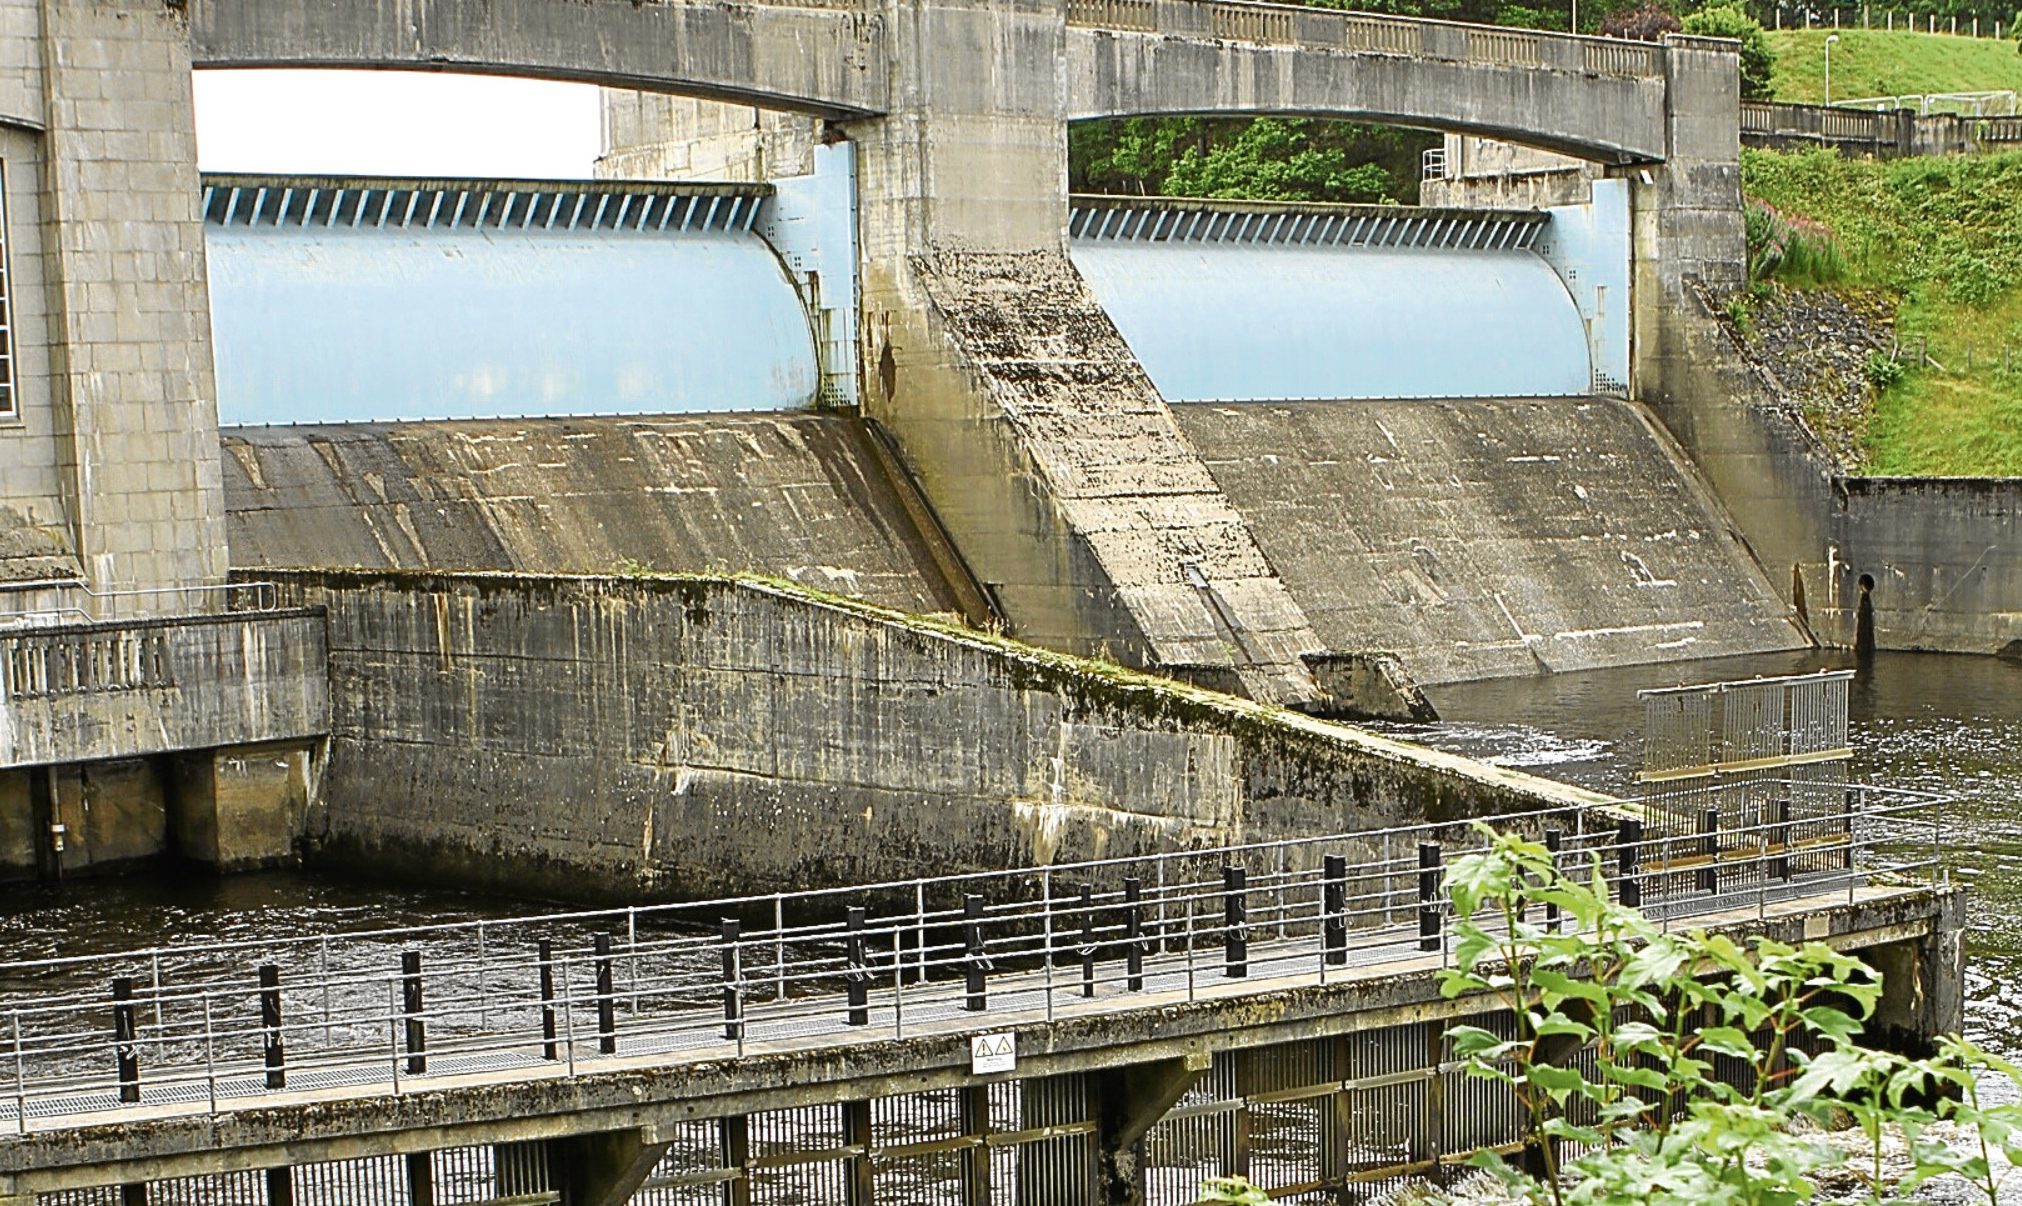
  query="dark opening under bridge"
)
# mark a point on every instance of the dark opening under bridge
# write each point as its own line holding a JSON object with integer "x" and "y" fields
{"x": 1099, "y": 1032}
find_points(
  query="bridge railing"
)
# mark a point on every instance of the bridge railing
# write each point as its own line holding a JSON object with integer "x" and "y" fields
{"x": 1325, "y": 29}
{"x": 79, "y": 603}
{"x": 209, "y": 1028}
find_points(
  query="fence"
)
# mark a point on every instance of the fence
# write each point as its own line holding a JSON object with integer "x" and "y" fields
{"x": 1867, "y": 16}
{"x": 1326, "y": 29}
{"x": 74, "y": 601}
{"x": 200, "y": 1029}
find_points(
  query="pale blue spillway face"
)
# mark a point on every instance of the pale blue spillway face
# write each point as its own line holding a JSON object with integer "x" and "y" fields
{"x": 333, "y": 325}
{"x": 1281, "y": 323}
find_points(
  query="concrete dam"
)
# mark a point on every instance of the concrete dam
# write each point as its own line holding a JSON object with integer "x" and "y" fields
{"x": 1416, "y": 413}
{"x": 945, "y": 587}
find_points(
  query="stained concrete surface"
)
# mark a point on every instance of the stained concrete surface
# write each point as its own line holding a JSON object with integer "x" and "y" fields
{"x": 800, "y": 496}
{"x": 1479, "y": 539}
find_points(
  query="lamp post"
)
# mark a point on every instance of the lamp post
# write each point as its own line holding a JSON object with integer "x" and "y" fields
{"x": 1829, "y": 40}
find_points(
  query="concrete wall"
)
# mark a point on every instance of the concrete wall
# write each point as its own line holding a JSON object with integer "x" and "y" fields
{"x": 1944, "y": 556}
{"x": 808, "y": 497}
{"x": 654, "y": 136}
{"x": 679, "y": 737}
{"x": 82, "y": 693}
{"x": 110, "y": 468}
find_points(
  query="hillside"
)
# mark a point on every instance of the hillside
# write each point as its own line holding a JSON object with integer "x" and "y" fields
{"x": 1943, "y": 239}
{"x": 1879, "y": 63}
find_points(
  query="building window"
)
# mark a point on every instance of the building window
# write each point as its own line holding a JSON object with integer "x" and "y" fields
{"x": 9, "y": 409}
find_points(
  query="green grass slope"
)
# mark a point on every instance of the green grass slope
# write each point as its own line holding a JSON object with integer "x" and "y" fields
{"x": 1870, "y": 62}
{"x": 1945, "y": 237}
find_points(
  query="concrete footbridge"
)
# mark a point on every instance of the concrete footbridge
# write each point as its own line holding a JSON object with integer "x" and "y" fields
{"x": 1096, "y": 1032}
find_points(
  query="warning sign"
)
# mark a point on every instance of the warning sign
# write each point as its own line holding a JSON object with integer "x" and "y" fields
{"x": 990, "y": 1053}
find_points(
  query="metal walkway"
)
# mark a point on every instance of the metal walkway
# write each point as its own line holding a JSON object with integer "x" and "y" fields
{"x": 181, "y": 1031}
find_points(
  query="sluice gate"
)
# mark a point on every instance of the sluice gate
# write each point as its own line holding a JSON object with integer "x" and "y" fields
{"x": 1107, "y": 1032}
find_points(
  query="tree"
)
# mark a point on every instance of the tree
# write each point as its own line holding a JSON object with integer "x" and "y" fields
{"x": 1646, "y": 24}
{"x": 1732, "y": 21}
{"x": 1618, "y": 1029}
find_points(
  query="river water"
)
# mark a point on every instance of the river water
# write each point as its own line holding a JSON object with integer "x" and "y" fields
{"x": 1931, "y": 721}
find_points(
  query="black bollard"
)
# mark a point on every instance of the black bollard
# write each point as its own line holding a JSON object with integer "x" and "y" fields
{"x": 1709, "y": 848}
{"x": 1429, "y": 878}
{"x": 410, "y": 991}
{"x": 1087, "y": 940}
{"x": 858, "y": 976}
{"x": 1628, "y": 853}
{"x": 733, "y": 1001}
{"x": 1235, "y": 921}
{"x": 1779, "y": 866}
{"x": 607, "y": 995}
{"x": 546, "y": 953}
{"x": 125, "y": 1035}
{"x": 973, "y": 962}
{"x": 270, "y": 1026}
{"x": 1133, "y": 933}
{"x": 1553, "y": 839}
{"x": 1334, "y": 909}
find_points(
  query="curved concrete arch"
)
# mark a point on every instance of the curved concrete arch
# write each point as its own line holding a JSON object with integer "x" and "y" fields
{"x": 827, "y": 61}
{"x": 1607, "y": 118}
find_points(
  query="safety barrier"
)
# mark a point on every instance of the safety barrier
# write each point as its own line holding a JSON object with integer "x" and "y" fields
{"x": 207, "y": 1028}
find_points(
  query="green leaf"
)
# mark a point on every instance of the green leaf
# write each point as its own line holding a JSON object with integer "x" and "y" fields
{"x": 1726, "y": 1040}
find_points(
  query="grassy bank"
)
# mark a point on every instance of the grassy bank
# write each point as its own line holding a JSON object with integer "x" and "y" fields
{"x": 1945, "y": 237}
{"x": 1878, "y": 63}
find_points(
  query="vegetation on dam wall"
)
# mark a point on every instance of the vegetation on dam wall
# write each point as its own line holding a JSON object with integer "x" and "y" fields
{"x": 1940, "y": 241}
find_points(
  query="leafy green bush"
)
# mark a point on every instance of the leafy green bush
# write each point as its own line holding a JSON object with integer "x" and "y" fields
{"x": 1882, "y": 370}
{"x": 1617, "y": 1025}
{"x": 1733, "y": 21}
{"x": 1233, "y": 1189}
{"x": 1797, "y": 251}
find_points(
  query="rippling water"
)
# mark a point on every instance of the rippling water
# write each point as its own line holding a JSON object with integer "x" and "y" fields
{"x": 1930, "y": 721}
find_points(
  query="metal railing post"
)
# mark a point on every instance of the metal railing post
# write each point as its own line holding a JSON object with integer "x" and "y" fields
{"x": 545, "y": 952}
{"x": 1709, "y": 849}
{"x": 857, "y": 978}
{"x": 1430, "y": 929}
{"x": 417, "y": 1032}
{"x": 733, "y": 996}
{"x": 125, "y": 1052}
{"x": 1779, "y": 866}
{"x": 1629, "y": 839}
{"x": 20, "y": 1081}
{"x": 270, "y": 1026}
{"x": 1235, "y": 921}
{"x": 1087, "y": 940}
{"x": 607, "y": 1000}
{"x": 1554, "y": 838}
{"x": 1334, "y": 910}
{"x": 1133, "y": 933}
{"x": 974, "y": 998}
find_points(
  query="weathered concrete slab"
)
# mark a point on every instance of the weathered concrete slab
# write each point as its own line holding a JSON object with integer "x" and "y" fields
{"x": 1535, "y": 89}
{"x": 1479, "y": 539}
{"x": 89, "y": 692}
{"x": 791, "y": 56}
{"x": 799, "y": 496}
{"x": 622, "y": 737}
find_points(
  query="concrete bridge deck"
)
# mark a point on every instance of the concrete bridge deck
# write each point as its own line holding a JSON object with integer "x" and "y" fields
{"x": 655, "y": 1026}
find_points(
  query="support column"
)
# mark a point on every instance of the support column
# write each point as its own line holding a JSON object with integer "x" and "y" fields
{"x": 1128, "y": 1102}
{"x": 975, "y": 1120}
{"x": 132, "y": 388}
{"x": 606, "y": 1168}
{"x": 734, "y": 1134}
{"x": 859, "y": 1183}
{"x": 240, "y": 808}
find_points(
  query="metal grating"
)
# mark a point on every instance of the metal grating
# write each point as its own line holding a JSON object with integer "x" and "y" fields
{"x": 273, "y": 202}
{"x": 1107, "y": 220}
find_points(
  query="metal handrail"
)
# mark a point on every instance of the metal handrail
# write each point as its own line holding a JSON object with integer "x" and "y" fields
{"x": 152, "y": 1027}
{"x": 102, "y": 605}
